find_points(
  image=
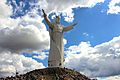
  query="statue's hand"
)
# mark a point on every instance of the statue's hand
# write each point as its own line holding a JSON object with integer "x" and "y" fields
{"x": 74, "y": 24}
{"x": 44, "y": 12}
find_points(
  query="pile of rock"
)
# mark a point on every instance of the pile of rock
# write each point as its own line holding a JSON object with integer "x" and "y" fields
{"x": 50, "y": 74}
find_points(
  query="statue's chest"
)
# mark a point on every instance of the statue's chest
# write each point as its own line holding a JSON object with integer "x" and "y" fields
{"x": 58, "y": 28}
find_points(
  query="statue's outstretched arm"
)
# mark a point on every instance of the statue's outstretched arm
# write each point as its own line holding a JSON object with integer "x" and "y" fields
{"x": 49, "y": 23}
{"x": 68, "y": 28}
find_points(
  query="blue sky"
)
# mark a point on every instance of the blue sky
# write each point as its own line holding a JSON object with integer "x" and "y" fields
{"x": 94, "y": 42}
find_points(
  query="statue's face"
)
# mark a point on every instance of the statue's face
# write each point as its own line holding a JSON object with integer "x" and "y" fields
{"x": 57, "y": 20}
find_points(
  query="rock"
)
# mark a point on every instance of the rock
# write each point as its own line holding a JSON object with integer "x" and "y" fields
{"x": 50, "y": 74}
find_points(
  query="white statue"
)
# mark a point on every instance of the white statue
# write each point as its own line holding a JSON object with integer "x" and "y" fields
{"x": 56, "y": 53}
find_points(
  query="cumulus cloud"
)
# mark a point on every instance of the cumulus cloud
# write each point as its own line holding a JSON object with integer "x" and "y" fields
{"x": 101, "y": 60}
{"x": 63, "y": 7}
{"x": 18, "y": 34}
{"x": 9, "y": 63}
{"x": 28, "y": 32}
{"x": 25, "y": 33}
{"x": 41, "y": 55}
{"x": 5, "y": 10}
{"x": 113, "y": 7}
{"x": 111, "y": 78}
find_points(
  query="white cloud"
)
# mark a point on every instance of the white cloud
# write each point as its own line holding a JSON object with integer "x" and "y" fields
{"x": 21, "y": 34}
{"x": 64, "y": 7}
{"x": 85, "y": 34}
{"x": 113, "y": 8}
{"x": 41, "y": 56}
{"x": 111, "y": 78}
{"x": 5, "y": 10}
{"x": 101, "y": 60}
{"x": 21, "y": 38}
{"x": 25, "y": 33}
{"x": 29, "y": 33}
{"x": 64, "y": 41}
{"x": 9, "y": 63}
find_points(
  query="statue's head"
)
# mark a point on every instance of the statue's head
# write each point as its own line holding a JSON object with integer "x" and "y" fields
{"x": 57, "y": 20}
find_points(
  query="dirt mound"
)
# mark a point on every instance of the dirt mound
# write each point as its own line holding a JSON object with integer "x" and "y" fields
{"x": 50, "y": 74}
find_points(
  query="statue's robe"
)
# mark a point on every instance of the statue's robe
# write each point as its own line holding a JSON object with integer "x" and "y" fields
{"x": 56, "y": 53}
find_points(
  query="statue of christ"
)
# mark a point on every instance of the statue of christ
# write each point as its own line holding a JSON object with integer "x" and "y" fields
{"x": 56, "y": 53}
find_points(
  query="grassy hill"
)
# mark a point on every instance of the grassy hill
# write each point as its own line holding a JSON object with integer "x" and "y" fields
{"x": 50, "y": 74}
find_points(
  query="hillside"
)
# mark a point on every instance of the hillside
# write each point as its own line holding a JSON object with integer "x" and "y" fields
{"x": 50, "y": 74}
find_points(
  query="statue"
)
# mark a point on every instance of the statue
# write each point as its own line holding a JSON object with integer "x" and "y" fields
{"x": 56, "y": 53}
